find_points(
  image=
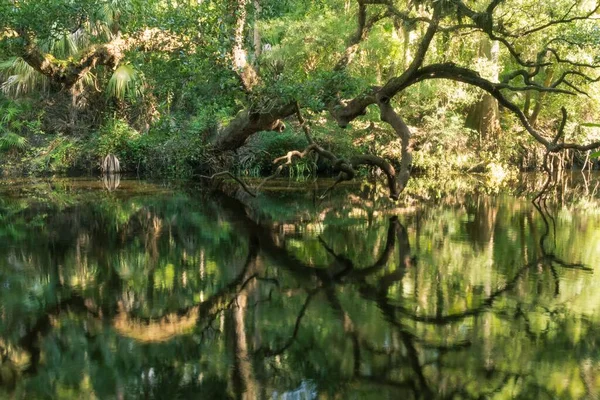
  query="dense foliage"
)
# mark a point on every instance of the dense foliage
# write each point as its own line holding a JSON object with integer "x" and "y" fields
{"x": 172, "y": 87}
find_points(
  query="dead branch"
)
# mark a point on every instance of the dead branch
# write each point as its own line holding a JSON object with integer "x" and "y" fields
{"x": 564, "y": 20}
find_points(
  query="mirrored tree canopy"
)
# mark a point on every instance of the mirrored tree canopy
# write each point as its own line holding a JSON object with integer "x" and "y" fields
{"x": 151, "y": 292}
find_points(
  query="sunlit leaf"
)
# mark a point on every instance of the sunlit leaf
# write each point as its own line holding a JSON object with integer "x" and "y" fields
{"x": 125, "y": 82}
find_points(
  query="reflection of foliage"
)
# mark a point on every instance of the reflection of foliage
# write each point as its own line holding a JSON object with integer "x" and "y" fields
{"x": 145, "y": 292}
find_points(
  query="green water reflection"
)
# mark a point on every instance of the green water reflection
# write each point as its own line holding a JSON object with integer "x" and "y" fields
{"x": 149, "y": 292}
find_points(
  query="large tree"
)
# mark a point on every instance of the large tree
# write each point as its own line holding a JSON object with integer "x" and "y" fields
{"x": 549, "y": 51}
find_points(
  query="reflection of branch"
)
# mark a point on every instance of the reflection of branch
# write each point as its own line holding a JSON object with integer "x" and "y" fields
{"x": 357, "y": 340}
{"x": 408, "y": 341}
{"x": 548, "y": 256}
{"x": 235, "y": 178}
{"x": 274, "y": 352}
{"x": 31, "y": 340}
{"x": 350, "y": 272}
{"x": 409, "y": 354}
{"x": 483, "y": 307}
{"x": 528, "y": 331}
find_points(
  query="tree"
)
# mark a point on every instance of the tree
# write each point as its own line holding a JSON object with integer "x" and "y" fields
{"x": 531, "y": 45}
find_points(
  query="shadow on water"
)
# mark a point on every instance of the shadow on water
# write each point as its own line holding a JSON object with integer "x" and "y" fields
{"x": 144, "y": 292}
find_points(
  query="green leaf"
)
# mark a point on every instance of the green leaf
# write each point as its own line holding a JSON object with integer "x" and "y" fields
{"x": 125, "y": 82}
{"x": 12, "y": 141}
{"x": 595, "y": 154}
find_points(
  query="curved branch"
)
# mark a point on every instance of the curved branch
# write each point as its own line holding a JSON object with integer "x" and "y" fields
{"x": 235, "y": 178}
{"x": 248, "y": 122}
{"x": 69, "y": 73}
{"x": 460, "y": 74}
{"x": 345, "y": 112}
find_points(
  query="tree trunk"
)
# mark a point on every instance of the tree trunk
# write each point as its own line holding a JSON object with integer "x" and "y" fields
{"x": 483, "y": 116}
{"x": 397, "y": 123}
{"x": 256, "y": 36}
{"x": 539, "y": 101}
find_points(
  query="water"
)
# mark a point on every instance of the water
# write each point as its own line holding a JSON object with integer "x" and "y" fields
{"x": 150, "y": 292}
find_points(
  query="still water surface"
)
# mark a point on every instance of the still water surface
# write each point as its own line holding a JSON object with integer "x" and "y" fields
{"x": 151, "y": 292}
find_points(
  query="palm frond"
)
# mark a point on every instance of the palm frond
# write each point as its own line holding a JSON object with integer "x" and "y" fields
{"x": 106, "y": 18}
{"x": 20, "y": 78}
{"x": 125, "y": 82}
{"x": 11, "y": 141}
{"x": 65, "y": 46}
{"x": 9, "y": 112}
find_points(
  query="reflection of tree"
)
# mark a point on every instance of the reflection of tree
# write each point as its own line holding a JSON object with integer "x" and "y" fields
{"x": 374, "y": 283}
{"x": 481, "y": 228}
{"x": 293, "y": 322}
{"x": 97, "y": 277}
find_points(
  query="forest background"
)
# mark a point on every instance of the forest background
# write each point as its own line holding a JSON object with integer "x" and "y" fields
{"x": 182, "y": 89}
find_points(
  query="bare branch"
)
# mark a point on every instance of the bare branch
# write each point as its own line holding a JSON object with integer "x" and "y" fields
{"x": 563, "y": 20}
{"x": 573, "y": 63}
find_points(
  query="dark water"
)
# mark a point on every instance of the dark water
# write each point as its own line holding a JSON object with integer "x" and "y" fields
{"x": 148, "y": 292}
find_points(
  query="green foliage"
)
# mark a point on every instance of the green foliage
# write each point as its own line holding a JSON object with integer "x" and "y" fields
{"x": 12, "y": 141}
{"x": 20, "y": 78}
{"x": 177, "y": 156}
{"x": 59, "y": 156}
{"x": 442, "y": 143}
{"x": 125, "y": 82}
{"x": 17, "y": 121}
{"x": 113, "y": 138}
{"x": 170, "y": 96}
